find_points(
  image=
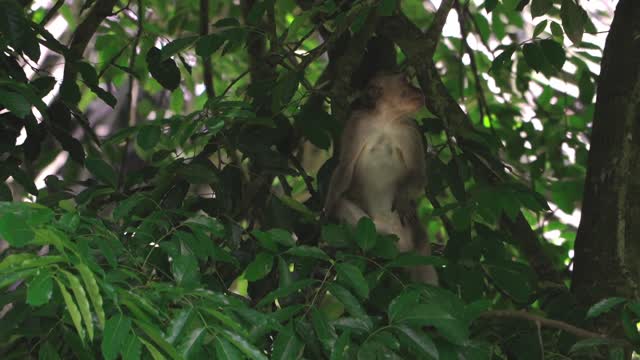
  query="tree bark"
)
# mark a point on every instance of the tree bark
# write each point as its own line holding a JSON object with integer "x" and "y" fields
{"x": 607, "y": 248}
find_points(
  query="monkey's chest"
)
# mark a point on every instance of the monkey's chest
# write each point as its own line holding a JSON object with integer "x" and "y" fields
{"x": 382, "y": 162}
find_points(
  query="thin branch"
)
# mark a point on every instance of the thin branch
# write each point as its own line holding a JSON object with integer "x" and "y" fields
{"x": 483, "y": 106}
{"x": 556, "y": 324}
{"x": 51, "y": 13}
{"x": 435, "y": 29}
{"x": 308, "y": 180}
{"x": 206, "y": 61}
{"x": 238, "y": 78}
{"x": 132, "y": 96}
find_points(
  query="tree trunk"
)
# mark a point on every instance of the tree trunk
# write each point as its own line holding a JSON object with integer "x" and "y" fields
{"x": 607, "y": 248}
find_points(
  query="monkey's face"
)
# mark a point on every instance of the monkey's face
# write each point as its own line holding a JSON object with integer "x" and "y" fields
{"x": 398, "y": 95}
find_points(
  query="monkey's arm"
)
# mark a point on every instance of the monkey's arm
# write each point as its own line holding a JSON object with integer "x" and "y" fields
{"x": 352, "y": 142}
{"x": 351, "y": 213}
{"x": 412, "y": 186}
{"x": 415, "y": 159}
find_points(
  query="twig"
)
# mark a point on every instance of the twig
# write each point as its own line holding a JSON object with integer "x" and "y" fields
{"x": 226, "y": 90}
{"x": 307, "y": 179}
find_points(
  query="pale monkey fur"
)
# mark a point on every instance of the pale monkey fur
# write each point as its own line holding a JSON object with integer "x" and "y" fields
{"x": 381, "y": 168}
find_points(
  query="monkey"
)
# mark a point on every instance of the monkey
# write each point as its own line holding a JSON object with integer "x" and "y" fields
{"x": 381, "y": 167}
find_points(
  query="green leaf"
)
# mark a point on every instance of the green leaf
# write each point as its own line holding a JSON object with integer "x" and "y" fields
{"x": 48, "y": 352}
{"x": 366, "y": 234}
{"x": 44, "y": 84}
{"x": 349, "y": 301}
{"x": 387, "y": 7}
{"x": 165, "y": 72}
{"x": 89, "y": 74}
{"x": 308, "y": 251}
{"x": 522, "y": 4}
{"x": 282, "y": 237}
{"x": 285, "y": 291}
{"x": 102, "y": 171}
{"x": 586, "y": 86}
{"x": 285, "y": 88}
{"x": 83, "y": 302}
{"x": 132, "y": 348}
{"x": 116, "y": 331}
{"x": 511, "y": 278}
{"x": 196, "y": 173}
{"x": 407, "y": 299}
{"x": 70, "y": 92}
{"x": 412, "y": 259}
{"x": 325, "y": 332}
{"x": 185, "y": 270}
{"x": 490, "y": 5}
{"x": 93, "y": 290}
{"x": 245, "y": 346}
{"x": 556, "y": 30}
{"x": 40, "y": 288}
{"x": 352, "y": 276}
{"x": 15, "y": 27}
{"x": 16, "y": 103}
{"x": 572, "y": 16}
{"x": 534, "y": 56}
{"x": 433, "y": 314}
{"x": 417, "y": 340}
{"x": 148, "y": 136}
{"x": 340, "y": 352}
{"x": 503, "y": 59}
{"x": 153, "y": 333}
{"x": 287, "y": 345}
{"x": 603, "y": 306}
{"x": 72, "y": 308}
{"x": 335, "y": 235}
{"x": 225, "y": 350}
{"x": 178, "y": 324}
{"x": 259, "y": 267}
{"x": 554, "y": 52}
{"x": 539, "y": 28}
{"x": 256, "y": 13}
{"x": 15, "y": 230}
{"x": 635, "y": 307}
{"x": 155, "y": 353}
{"x": 192, "y": 343}
{"x": 540, "y": 7}
{"x": 176, "y": 46}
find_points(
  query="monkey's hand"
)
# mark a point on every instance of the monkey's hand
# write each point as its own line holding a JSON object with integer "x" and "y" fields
{"x": 406, "y": 209}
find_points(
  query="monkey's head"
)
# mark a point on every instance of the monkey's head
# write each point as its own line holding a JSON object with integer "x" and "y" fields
{"x": 394, "y": 93}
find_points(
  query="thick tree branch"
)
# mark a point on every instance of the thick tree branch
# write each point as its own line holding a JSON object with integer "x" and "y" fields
{"x": 435, "y": 29}
{"x": 556, "y": 324}
{"x": 83, "y": 34}
{"x": 346, "y": 65}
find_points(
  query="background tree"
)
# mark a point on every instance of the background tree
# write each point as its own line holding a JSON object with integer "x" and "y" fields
{"x": 165, "y": 164}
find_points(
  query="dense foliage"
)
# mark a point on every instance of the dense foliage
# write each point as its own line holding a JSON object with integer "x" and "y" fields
{"x": 187, "y": 222}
